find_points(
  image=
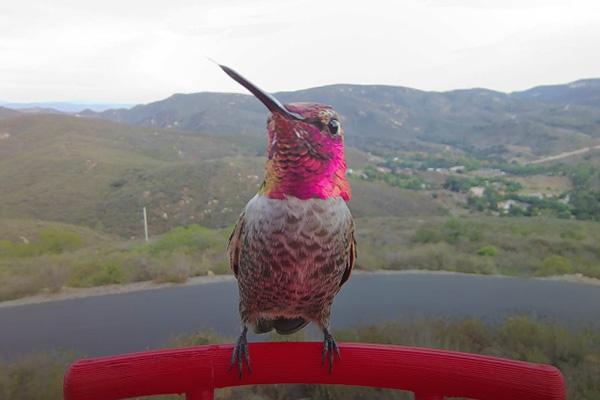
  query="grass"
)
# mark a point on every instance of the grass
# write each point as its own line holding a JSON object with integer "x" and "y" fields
{"x": 60, "y": 255}
{"x": 95, "y": 176}
{"x": 99, "y": 174}
{"x": 477, "y": 244}
{"x": 544, "y": 184}
{"x": 377, "y": 199}
{"x": 49, "y": 241}
{"x": 35, "y": 376}
{"x": 574, "y": 350}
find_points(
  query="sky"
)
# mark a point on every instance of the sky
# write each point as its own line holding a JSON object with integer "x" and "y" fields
{"x": 141, "y": 51}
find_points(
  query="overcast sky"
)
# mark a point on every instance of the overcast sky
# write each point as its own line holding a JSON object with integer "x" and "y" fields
{"x": 140, "y": 51}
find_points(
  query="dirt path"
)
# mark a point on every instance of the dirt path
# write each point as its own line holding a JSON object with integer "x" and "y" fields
{"x": 564, "y": 155}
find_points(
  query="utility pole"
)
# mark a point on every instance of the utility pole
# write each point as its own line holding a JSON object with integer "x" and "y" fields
{"x": 145, "y": 224}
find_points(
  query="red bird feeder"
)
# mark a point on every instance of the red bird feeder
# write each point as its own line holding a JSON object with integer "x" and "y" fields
{"x": 197, "y": 371}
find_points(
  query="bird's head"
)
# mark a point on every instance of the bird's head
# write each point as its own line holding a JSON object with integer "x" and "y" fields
{"x": 305, "y": 149}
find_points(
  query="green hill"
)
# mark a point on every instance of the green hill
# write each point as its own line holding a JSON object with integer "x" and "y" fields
{"x": 100, "y": 174}
{"x": 387, "y": 118}
{"x": 94, "y": 172}
{"x": 73, "y": 188}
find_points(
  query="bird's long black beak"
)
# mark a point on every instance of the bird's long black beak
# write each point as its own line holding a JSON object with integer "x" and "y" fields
{"x": 268, "y": 100}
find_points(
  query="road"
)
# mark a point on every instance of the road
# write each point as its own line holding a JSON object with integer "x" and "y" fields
{"x": 146, "y": 319}
{"x": 564, "y": 155}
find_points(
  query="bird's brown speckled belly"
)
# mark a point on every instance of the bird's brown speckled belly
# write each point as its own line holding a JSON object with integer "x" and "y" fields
{"x": 293, "y": 257}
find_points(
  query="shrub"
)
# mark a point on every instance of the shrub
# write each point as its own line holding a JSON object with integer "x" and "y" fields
{"x": 426, "y": 235}
{"x": 454, "y": 231}
{"x": 489, "y": 251}
{"x": 54, "y": 240}
{"x": 97, "y": 273}
{"x": 176, "y": 269}
{"x": 49, "y": 241}
{"x": 192, "y": 238}
{"x": 15, "y": 286}
{"x": 55, "y": 276}
{"x": 573, "y": 235}
{"x": 221, "y": 267}
{"x": 555, "y": 265}
{"x": 36, "y": 376}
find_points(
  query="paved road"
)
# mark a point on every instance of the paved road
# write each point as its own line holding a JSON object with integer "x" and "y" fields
{"x": 146, "y": 319}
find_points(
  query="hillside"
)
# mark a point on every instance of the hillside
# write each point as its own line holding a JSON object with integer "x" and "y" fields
{"x": 217, "y": 113}
{"x": 100, "y": 174}
{"x": 478, "y": 121}
{"x": 61, "y": 106}
{"x": 73, "y": 188}
{"x": 583, "y": 92}
{"x": 97, "y": 173}
{"x": 8, "y": 113}
{"x": 386, "y": 118}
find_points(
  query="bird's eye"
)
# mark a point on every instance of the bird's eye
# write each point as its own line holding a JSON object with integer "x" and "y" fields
{"x": 334, "y": 126}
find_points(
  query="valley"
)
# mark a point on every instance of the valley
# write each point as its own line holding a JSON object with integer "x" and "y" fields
{"x": 518, "y": 200}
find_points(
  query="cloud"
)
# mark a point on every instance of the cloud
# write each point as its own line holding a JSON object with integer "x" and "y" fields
{"x": 138, "y": 51}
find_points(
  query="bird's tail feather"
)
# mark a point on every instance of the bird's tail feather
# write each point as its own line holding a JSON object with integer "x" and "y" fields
{"x": 287, "y": 326}
{"x": 263, "y": 326}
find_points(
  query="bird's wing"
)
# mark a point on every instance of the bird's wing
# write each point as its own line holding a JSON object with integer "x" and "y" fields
{"x": 350, "y": 253}
{"x": 235, "y": 245}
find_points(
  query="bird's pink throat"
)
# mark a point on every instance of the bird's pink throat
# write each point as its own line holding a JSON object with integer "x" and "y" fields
{"x": 300, "y": 174}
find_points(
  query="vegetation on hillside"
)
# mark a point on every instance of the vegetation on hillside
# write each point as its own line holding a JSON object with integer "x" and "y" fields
{"x": 586, "y": 196}
{"x": 485, "y": 245}
{"x": 58, "y": 255}
{"x": 61, "y": 255}
{"x": 562, "y": 190}
{"x": 432, "y": 178}
{"x": 388, "y": 118}
{"x": 100, "y": 174}
{"x": 574, "y": 350}
{"x": 408, "y": 198}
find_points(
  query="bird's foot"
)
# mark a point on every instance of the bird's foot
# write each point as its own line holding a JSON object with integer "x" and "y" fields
{"x": 329, "y": 348}
{"x": 240, "y": 353}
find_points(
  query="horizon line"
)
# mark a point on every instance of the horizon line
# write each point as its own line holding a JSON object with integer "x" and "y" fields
{"x": 4, "y": 103}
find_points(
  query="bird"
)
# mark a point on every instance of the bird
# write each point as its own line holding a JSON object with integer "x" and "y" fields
{"x": 293, "y": 246}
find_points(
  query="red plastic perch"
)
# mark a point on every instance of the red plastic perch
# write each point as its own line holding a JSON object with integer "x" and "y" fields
{"x": 197, "y": 371}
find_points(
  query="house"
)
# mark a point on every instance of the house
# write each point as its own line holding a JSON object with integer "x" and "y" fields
{"x": 566, "y": 199}
{"x": 507, "y": 205}
{"x": 477, "y": 191}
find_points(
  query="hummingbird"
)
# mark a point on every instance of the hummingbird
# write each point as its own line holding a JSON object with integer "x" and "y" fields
{"x": 293, "y": 246}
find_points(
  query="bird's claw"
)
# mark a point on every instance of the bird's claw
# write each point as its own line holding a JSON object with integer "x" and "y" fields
{"x": 240, "y": 353}
{"x": 329, "y": 348}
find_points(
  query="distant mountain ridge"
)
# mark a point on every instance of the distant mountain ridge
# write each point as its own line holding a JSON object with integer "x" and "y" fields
{"x": 8, "y": 112}
{"x": 377, "y": 117}
{"x": 582, "y": 92}
{"x": 61, "y": 106}
{"x": 200, "y": 112}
